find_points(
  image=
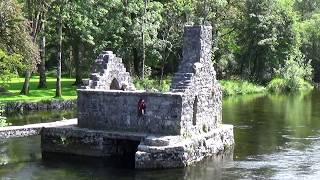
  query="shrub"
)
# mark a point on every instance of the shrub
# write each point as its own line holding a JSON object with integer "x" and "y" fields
{"x": 232, "y": 87}
{"x": 149, "y": 84}
{"x": 3, "y": 120}
{"x": 293, "y": 75}
{"x": 277, "y": 85}
{"x": 280, "y": 85}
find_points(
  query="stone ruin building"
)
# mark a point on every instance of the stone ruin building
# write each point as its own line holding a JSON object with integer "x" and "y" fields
{"x": 175, "y": 129}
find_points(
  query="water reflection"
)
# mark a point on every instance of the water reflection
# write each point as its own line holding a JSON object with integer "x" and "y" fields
{"x": 277, "y": 137}
{"x": 39, "y": 117}
{"x": 27, "y": 164}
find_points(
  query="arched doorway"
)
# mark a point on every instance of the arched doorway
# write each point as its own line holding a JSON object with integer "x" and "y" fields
{"x": 114, "y": 85}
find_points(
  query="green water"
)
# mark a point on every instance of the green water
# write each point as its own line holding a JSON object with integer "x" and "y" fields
{"x": 277, "y": 137}
{"x": 39, "y": 117}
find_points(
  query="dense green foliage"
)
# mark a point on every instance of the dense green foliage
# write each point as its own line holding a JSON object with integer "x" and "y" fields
{"x": 153, "y": 84}
{"x": 232, "y": 87}
{"x": 255, "y": 40}
{"x": 3, "y": 122}
{"x": 293, "y": 74}
{"x": 9, "y": 64}
{"x": 14, "y": 34}
{"x": 3, "y": 119}
{"x": 279, "y": 85}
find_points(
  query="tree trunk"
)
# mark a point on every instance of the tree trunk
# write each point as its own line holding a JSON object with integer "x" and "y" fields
{"x": 26, "y": 84}
{"x": 77, "y": 49}
{"x": 161, "y": 77}
{"x": 136, "y": 61}
{"x": 143, "y": 39}
{"x": 58, "y": 83}
{"x": 42, "y": 67}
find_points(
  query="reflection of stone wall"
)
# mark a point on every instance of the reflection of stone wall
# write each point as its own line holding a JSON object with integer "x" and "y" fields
{"x": 196, "y": 79}
{"x": 107, "y": 69}
{"x": 118, "y": 110}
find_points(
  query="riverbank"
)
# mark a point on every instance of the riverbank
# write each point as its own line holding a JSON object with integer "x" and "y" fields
{"x": 38, "y": 95}
{"x": 233, "y": 87}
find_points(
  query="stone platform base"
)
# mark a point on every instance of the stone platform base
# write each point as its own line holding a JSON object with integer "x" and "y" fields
{"x": 148, "y": 151}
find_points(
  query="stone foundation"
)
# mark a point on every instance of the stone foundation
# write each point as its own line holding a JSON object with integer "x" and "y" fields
{"x": 175, "y": 151}
{"x": 24, "y": 107}
{"x": 149, "y": 151}
{"x": 31, "y": 129}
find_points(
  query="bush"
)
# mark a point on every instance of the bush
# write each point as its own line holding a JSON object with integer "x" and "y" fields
{"x": 293, "y": 75}
{"x": 277, "y": 85}
{"x": 3, "y": 120}
{"x": 232, "y": 87}
{"x": 149, "y": 84}
{"x": 280, "y": 85}
{"x": 9, "y": 64}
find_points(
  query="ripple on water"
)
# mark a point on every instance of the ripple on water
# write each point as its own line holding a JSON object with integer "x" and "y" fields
{"x": 289, "y": 163}
{"x": 243, "y": 127}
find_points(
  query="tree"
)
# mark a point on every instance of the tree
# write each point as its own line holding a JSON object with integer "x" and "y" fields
{"x": 123, "y": 35}
{"x": 310, "y": 35}
{"x": 9, "y": 65}
{"x": 42, "y": 65}
{"x": 15, "y": 37}
{"x": 35, "y": 11}
{"x": 60, "y": 25}
{"x": 268, "y": 36}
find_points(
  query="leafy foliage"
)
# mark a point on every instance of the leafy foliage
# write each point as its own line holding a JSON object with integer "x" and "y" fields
{"x": 293, "y": 74}
{"x": 3, "y": 119}
{"x": 232, "y": 87}
{"x": 14, "y": 35}
{"x": 252, "y": 37}
{"x": 9, "y": 64}
{"x": 149, "y": 84}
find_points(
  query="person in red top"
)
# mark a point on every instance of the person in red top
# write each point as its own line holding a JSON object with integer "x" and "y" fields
{"x": 141, "y": 107}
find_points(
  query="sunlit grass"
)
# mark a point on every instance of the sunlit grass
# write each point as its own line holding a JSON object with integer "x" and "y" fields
{"x": 232, "y": 87}
{"x": 15, "y": 85}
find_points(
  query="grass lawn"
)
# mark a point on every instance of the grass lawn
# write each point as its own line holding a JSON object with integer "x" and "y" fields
{"x": 14, "y": 88}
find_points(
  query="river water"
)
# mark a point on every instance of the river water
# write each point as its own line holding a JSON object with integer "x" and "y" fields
{"x": 277, "y": 137}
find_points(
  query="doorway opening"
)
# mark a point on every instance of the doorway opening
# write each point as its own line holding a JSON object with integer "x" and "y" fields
{"x": 114, "y": 85}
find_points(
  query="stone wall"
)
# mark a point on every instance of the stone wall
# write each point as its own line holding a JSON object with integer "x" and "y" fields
{"x": 109, "y": 73}
{"x": 83, "y": 142}
{"x": 24, "y": 107}
{"x": 193, "y": 107}
{"x": 178, "y": 128}
{"x": 149, "y": 151}
{"x": 118, "y": 110}
{"x": 31, "y": 129}
{"x": 196, "y": 79}
{"x": 183, "y": 152}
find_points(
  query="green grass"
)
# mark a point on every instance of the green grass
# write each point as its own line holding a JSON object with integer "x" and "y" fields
{"x": 15, "y": 85}
{"x": 232, "y": 87}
